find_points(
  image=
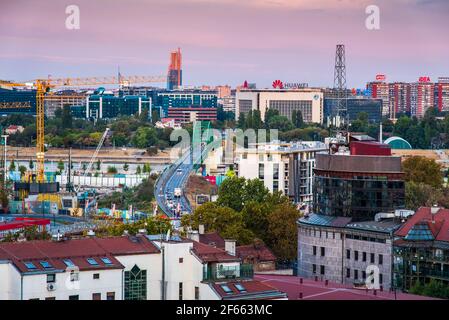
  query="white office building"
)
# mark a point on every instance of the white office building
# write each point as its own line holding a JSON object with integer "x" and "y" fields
{"x": 286, "y": 167}
{"x": 307, "y": 100}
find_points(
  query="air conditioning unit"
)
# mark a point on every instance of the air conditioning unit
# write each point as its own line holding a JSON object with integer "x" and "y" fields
{"x": 51, "y": 287}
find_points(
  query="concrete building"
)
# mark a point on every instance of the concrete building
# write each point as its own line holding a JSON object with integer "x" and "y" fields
{"x": 228, "y": 103}
{"x": 442, "y": 94}
{"x": 126, "y": 268}
{"x": 192, "y": 114}
{"x": 336, "y": 249}
{"x": 422, "y": 94}
{"x": 399, "y": 100}
{"x": 309, "y": 101}
{"x": 57, "y": 101}
{"x": 380, "y": 90}
{"x": 285, "y": 167}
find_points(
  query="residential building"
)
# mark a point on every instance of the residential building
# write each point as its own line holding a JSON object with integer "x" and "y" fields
{"x": 399, "y": 99}
{"x": 309, "y": 101}
{"x": 380, "y": 90}
{"x": 126, "y": 268}
{"x": 442, "y": 94}
{"x": 422, "y": 94}
{"x": 285, "y": 167}
{"x": 223, "y": 91}
{"x": 421, "y": 248}
{"x": 228, "y": 103}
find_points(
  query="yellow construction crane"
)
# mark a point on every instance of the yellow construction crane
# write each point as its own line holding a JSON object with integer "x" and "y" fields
{"x": 43, "y": 86}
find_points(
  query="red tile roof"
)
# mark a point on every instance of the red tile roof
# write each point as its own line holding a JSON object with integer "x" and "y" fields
{"x": 210, "y": 254}
{"x": 438, "y": 223}
{"x": 20, "y": 223}
{"x": 253, "y": 289}
{"x": 212, "y": 239}
{"x": 77, "y": 250}
{"x": 259, "y": 252}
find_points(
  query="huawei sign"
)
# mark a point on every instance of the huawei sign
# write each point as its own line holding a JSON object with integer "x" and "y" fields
{"x": 277, "y": 84}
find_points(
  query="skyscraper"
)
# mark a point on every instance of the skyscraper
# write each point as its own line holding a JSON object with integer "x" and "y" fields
{"x": 174, "y": 77}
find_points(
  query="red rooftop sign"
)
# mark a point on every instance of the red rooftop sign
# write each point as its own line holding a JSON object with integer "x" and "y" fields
{"x": 381, "y": 77}
{"x": 424, "y": 79}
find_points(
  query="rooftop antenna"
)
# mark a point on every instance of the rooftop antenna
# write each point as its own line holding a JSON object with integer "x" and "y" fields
{"x": 340, "y": 86}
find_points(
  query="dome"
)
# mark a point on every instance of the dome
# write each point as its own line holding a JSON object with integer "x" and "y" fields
{"x": 398, "y": 143}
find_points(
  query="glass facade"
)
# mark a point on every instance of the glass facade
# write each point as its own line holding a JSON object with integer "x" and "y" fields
{"x": 25, "y": 97}
{"x": 358, "y": 197}
{"x": 136, "y": 284}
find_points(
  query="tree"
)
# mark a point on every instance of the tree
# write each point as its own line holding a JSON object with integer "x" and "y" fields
{"x": 145, "y": 137}
{"x": 297, "y": 119}
{"x": 146, "y": 168}
{"x": 125, "y": 167}
{"x": 241, "y": 121}
{"x": 282, "y": 231}
{"x": 98, "y": 164}
{"x": 223, "y": 220}
{"x": 138, "y": 170}
{"x": 231, "y": 193}
{"x": 4, "y": 200}
{"x": 422, "y": 170}
{"x": 66, "y": 117}
{"x": 281, "y": 123}
{"x": 22, "y": 170}
{"x": 112, "y": 170}
{"x": 31, "y": 164}
{"x": 12, "y": 165}
{"x": 420, "y": 195}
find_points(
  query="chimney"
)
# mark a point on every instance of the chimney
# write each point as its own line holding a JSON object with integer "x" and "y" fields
{"x": 201, "y": 228}
{"x": 194, "y": 235}
{"x": 230, "y": 246}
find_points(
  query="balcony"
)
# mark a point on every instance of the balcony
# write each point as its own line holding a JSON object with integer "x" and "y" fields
{"x": 242, "y": 271}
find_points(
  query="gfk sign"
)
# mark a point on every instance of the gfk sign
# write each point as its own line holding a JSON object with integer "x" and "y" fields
{"x": 424, "y": 79}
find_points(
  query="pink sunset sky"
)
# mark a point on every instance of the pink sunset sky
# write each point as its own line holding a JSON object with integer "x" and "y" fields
{"x": 225, "y": 41}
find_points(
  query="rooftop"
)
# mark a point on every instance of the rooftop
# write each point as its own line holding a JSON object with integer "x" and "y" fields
{"x": 243, "y": 290}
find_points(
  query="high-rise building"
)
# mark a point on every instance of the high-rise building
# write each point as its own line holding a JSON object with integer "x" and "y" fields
{"x": 421, "y": 96}
{"x": 399, "y": 100}
{"x": 442, "y": 94}
{"x": 380, "y": 90}
{"x": 174, "y": 77}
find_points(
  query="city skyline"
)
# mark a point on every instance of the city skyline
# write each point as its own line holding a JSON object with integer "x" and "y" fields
{"x": 226, "y": 41}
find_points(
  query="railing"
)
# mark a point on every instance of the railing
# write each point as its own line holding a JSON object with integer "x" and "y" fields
{"x": 242, "y": 271}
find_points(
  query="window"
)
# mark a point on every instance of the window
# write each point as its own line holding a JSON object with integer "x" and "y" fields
{"x": 46, "y": 265}
{"x": 372, "y": 257}
{"x": 136, "y": 284}
{"x": 197, "y": 293}
{"x": 240, "y": 287}
{"x": 74, "y": 276}
{"x": 364, "y": 257}
{"x": 51, "y": 278}
{"x": 348, "y": 254}
{"x": 106, "y": 261}
{"x": 314, "y": 250}
{"x": 348, "y": 273}
{"x": 110, "y": 296}
{"x": 30, "y": 265}
{"x": 356, "y": 255}
{"x": 381, "y": 278}
{"x": 356, "y": 274}
{"x": 69, "y": 263}
{"x": 96, "y": 296}
{"x": 314, "y": 268}
{"x": 50, "y": 298}
{"x": 92, "y": 261}
{"x": 74, "y": 297}
{"x": 96, "y": 276}
{"x": 180, "y": 291}
{"x": 381, "y": 259}
{"x": 225, "y": 288}
{"x": 323, "y": 251}
{"x": 181, "y": 260}
{"x": 322, "y": 270}
{"x": 363, "y": 275}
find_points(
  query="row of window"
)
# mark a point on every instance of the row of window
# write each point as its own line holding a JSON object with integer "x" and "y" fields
{"x": 95, "y": 296}
{"x": 331, "y": 235}
{"x": 74, "y": 276}
{"x": 372, "y": 256}
{"x": 363, "y": 273}
{"x": 69, "y": 263}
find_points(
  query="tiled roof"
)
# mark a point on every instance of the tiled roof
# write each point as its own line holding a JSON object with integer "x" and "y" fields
{"x": 77, "y": 250}
{"x": 210, "y": 254}
{"x": 251, "y": 289}
{"x": 212, "y": 239}
{"x": 436, "y": 224}
{"x": 260, "y": 252}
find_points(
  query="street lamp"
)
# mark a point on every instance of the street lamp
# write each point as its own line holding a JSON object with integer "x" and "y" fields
{"x": 5, "y": 137}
